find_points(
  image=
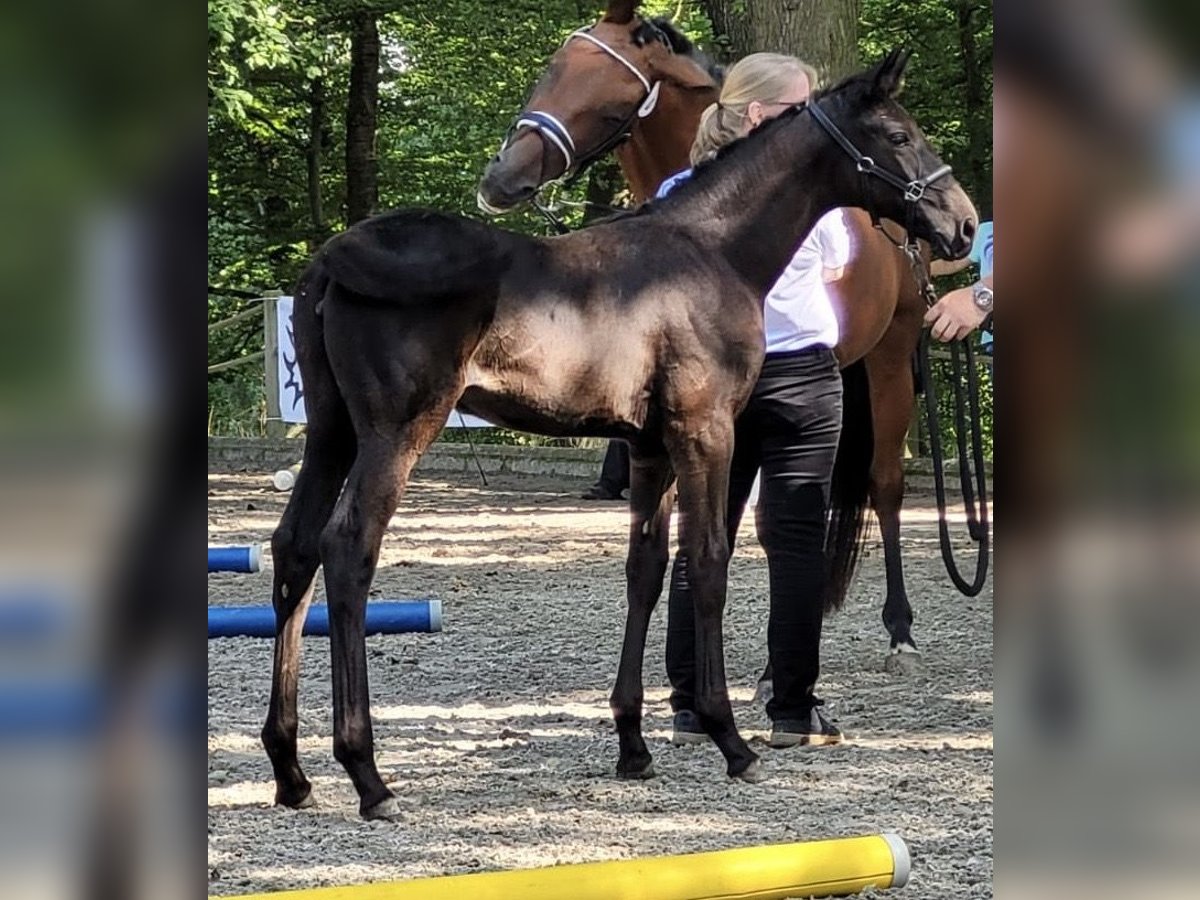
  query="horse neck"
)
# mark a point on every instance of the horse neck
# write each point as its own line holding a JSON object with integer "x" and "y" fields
{"x": 756, "y": 208}
{"x": 661, "y": 144}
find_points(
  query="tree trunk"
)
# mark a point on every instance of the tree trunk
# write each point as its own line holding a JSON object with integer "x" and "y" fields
{"x": 316, "y": 129}
{"x": 362, "y": 165}
{"x": 821, "y": 32}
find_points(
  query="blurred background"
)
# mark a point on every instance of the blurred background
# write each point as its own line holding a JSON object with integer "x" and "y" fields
{"x": 1097, "y": 168}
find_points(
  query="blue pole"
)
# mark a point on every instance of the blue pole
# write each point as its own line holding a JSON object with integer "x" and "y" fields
{"x": 235, "y": 559}
{"x": 55, "y": 709}
{"x": 382, "y": 618}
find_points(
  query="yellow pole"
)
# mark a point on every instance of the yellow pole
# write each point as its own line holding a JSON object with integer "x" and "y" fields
{"x": 829, "y": 868}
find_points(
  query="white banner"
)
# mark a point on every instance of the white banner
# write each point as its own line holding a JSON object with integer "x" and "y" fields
{"x": 291, "y": 388}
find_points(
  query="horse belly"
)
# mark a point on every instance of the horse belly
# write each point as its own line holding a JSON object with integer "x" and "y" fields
{"x": 560, "y": 371}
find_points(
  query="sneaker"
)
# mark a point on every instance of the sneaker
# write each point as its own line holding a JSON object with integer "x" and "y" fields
{"x": 687, "y": 729}
{"x": 600, "y": 492}
{"x": 815, "y": 731}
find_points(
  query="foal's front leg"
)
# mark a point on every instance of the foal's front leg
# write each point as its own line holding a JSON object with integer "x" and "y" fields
{"x": 703, "y": 502}
{"x": 650, "y": 500}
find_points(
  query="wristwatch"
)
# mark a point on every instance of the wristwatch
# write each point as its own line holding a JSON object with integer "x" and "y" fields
{"x": 982, "y": 295}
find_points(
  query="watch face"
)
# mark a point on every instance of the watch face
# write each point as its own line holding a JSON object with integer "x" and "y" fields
{"x": 983, "y": 297}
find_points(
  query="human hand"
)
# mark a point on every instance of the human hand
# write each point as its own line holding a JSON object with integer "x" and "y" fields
{"x": 954, "y": 316}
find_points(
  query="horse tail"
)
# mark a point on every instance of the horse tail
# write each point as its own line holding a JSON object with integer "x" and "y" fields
{"x": 409, "y": 255}
{"x": 849, "y": 491}
{"x": 324, "y": 405}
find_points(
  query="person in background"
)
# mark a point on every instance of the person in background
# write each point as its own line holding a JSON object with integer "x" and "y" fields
{"x": 961, "y": 311}
{"x": 614, "y": 474}
{"x": 789, "y": 429}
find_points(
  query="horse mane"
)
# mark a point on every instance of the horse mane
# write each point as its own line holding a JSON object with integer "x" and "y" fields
{"x": 660, "y": 27}
{"x": 701, "y": 173}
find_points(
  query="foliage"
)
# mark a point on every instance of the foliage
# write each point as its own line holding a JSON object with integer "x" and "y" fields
{"x": 936, "y": 83}
{"x": 453, "y": 76}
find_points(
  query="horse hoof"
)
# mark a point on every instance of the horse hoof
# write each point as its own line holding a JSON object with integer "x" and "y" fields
{"x": 904, "y": 660}
{"x": 636, "y": 772}
{"x": 300, "y": 800}
{"x": 387, "y": 809}
{"x": 764, "y": 692}
{"x": 753, "y": 773}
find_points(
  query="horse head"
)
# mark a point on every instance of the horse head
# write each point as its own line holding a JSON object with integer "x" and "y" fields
{"x": 604, "y": 82}
{"x": 903, "y": 178}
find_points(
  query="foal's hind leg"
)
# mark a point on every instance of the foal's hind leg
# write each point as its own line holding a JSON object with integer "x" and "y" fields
{"x": 328, "y": 453}
{"x": 650, "y": 500}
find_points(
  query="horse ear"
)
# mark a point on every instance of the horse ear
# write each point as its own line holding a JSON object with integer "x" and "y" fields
{"x": 620, "y": 12}
{"x": 889, "y": 74}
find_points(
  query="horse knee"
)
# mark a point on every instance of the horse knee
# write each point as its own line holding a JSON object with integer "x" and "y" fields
{"x": 707, "y": 575}
{"x": 648, "y": 564}
{"x": 887, "y": 485}
{"x": 344, "y": 552}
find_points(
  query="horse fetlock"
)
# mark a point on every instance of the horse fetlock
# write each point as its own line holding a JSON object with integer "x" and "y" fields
{"x": 278, "y": 737}
{"x": 636, "y": 765}
{"x": 294, "y": 796}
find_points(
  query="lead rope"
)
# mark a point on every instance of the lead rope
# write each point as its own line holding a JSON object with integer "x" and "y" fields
{"x": 974, "y": 495}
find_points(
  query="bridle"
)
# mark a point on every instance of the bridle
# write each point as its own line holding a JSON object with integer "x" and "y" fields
{"x": 913, "y": 190}
{"x": 965, "y": 404}
{"x": 551, "y": 129}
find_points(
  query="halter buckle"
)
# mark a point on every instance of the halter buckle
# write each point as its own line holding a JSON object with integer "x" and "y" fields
{"x": 866, "y": 165}
{"x": 914, "y": 191}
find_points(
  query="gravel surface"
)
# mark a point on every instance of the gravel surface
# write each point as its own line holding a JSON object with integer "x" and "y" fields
{"x": 496, "y": 733}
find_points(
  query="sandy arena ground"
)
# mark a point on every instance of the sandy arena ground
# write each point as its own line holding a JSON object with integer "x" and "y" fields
{"x": 496, "y": 733}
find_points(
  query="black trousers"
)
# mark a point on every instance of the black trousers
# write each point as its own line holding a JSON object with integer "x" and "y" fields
{"x": 789, "y": 430}
{"x": 614, "y": 472}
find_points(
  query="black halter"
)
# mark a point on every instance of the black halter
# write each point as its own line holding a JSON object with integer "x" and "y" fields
{"x": 913, "y": 189}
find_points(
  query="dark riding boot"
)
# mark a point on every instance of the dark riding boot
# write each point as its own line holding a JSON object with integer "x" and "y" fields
{"x": 614, "y": 474}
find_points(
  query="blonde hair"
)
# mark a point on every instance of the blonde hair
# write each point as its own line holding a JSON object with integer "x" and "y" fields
{"x": 764, "y": 77}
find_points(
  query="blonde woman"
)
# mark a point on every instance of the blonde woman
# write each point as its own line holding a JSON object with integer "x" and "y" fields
{"x": 789, "y": 430}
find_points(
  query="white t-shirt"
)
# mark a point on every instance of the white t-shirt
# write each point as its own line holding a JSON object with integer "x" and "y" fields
{"x": 798, "y": 313}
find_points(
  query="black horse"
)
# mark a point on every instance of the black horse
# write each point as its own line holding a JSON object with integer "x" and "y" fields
{"x": 647, "y": 327}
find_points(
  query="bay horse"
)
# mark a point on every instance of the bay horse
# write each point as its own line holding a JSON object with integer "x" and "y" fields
{"x": 640, "y": 79}
{"x": 646, "y": 328}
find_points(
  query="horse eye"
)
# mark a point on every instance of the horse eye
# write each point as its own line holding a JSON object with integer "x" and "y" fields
{"x": 899, "y": 138}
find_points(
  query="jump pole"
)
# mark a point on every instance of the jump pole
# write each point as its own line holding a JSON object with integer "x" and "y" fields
{"x": 832, "y": 868}
{"x": 382, "y": 618}
{"x": 235, "y": 559}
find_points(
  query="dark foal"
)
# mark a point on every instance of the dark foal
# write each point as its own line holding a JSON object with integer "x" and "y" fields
{"x": 583, "y": 97}
{"x": 647, "y": 328}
